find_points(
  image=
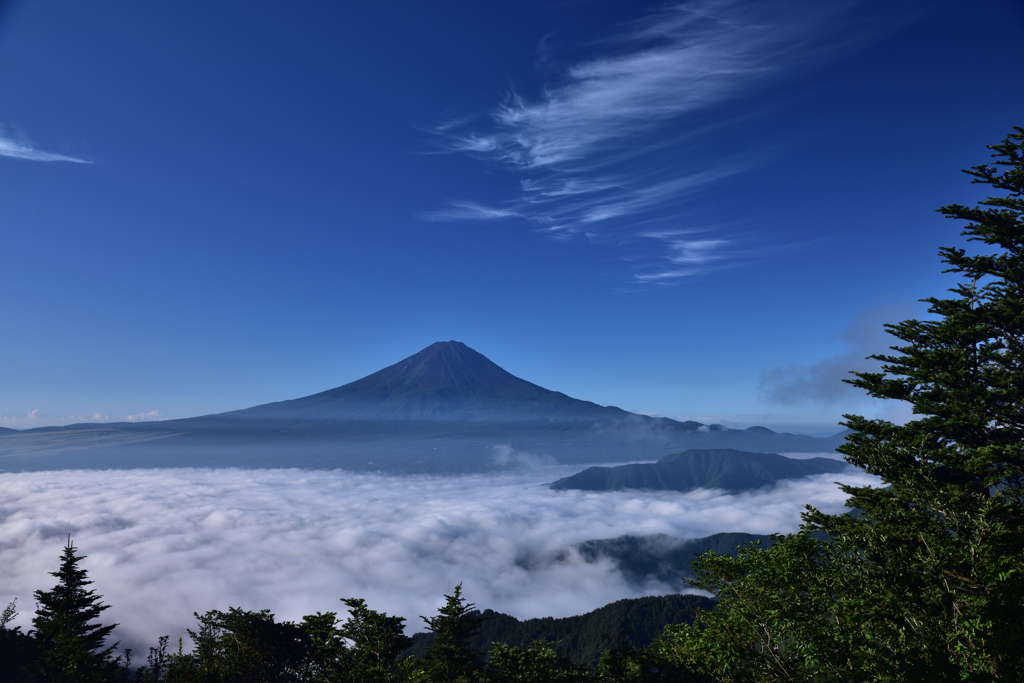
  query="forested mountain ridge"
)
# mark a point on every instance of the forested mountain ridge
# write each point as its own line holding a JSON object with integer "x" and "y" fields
{"x": 664, "y": 558}
{"x": 723, "y": 468}
{"x": 584, "y": 638}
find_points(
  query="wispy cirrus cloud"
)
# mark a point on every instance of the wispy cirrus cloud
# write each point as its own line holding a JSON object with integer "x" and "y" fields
{"x": 672, "y": 63}
{"x": 613, "y": 143}
{"x": 465, "y": 210}
{"x": 23, "y": 149}
{"x": 684, "y": 257}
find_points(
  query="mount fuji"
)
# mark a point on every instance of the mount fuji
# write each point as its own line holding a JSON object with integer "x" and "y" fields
{"x": 442, "y": 410}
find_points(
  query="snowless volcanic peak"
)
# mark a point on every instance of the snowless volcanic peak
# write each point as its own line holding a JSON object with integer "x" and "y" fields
{"x": 445, "y": 381}
{"x": 447, "y": 365}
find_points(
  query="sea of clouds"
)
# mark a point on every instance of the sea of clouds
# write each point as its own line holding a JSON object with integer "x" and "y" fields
{"x": 163, "y": 543}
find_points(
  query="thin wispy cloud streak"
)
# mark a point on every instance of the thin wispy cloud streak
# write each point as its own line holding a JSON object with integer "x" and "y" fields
{"x": 22, "y": 149}
{"x": 164, "y": 543}
{"x": 686, "y": 254}
{"x": 616, "y": 140}
{"x": 464, "y": 210}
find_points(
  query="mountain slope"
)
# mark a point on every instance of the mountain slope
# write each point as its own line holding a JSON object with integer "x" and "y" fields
{"x": 445, "y": 381}
{"x": 720, "y": 469}
{"x": 662, "y": 557}
{"x": 441, "y": 410}
{"x": 585, "y": 637}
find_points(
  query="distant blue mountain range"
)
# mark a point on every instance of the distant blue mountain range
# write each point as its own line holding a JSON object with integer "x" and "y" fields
{"x": 441, "y": 410}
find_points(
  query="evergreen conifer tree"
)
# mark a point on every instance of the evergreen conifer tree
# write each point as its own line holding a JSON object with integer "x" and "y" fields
{"x": 944, "y": 536}
{"x": 71, "y": 645}
{"x": 69, "y": 608}
{"x": 242, "y": 645}
{"x": 451, "y": 658}
{"x": 377, "y": 640}
{"x": 924, "y": 579}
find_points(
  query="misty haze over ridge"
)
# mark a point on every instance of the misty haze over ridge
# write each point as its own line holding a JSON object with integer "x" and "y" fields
{"x": 441, "y": 410}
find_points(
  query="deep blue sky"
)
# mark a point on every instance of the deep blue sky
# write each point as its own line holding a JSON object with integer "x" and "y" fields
{"x": 703, "y": 210}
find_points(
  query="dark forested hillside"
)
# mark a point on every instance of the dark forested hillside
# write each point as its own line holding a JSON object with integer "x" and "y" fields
{"x": 662, "y": 557}
{"x": 68, "y": 644}
{"x": 722, "y": 468}
{"x": 584, "y": 638}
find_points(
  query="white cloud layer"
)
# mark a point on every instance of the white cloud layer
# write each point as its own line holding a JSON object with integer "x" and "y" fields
{"x": 164, "y": 543}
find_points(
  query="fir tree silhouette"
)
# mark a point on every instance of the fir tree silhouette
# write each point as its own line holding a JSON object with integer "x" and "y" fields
{"x": 66, "y": 611}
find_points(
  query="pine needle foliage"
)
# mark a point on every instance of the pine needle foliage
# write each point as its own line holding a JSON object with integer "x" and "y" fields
{"x": 451, "y": 658}
{"x": 69, "y": 608}
{"x": 70, "y": 642}
{"x": 924, "y": 579}
{"x": 944, "y": 536}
